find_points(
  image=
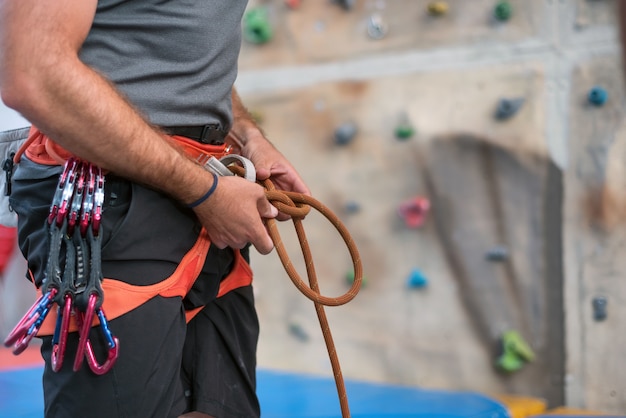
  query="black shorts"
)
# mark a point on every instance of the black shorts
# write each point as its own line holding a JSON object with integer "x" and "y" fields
{"x": 165, "y": 366}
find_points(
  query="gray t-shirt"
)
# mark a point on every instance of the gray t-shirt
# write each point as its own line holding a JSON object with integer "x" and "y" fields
{"x": 175, "y": 60}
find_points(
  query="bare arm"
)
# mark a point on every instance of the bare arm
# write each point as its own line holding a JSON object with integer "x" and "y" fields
{"x": 42, "y": 77}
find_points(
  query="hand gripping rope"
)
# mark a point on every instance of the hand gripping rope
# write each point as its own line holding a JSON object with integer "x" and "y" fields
{"x": 75, "y": 239}
{"x": 298, "y": 205}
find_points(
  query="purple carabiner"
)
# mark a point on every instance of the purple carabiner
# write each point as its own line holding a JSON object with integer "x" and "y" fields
{"x": 58, "y": 349}
{"x": 84, "y": 321}
{"x": 113, "y": 352}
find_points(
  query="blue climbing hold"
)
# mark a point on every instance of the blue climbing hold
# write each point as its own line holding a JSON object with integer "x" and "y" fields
{"x": 352, "y": 207}
{"x": 507, "y": 108}
{"x": 598, "y": 96}
{"x": 345, "y": 133}
{"x": 417, "y": 279}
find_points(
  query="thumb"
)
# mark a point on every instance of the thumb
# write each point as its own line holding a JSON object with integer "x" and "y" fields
{"x": 268, "y": 210}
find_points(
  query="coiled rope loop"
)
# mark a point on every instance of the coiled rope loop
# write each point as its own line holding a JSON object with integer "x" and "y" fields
{"x": 298, "y": 205}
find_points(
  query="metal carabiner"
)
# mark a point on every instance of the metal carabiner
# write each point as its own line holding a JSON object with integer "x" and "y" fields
{"x": 28, "y": 325}
{"x": 42, "y": 312}
{"x": 77, "y": 198}
{"x": 88, "y": 201}
{"x": 84, "y": 321}
{"x": 96, "y": 214}
{"x": 113, "y": 344}
{"x": 68, "y": 192}
{"x": 59, "y": 340}
{"x": 58, "y": 194}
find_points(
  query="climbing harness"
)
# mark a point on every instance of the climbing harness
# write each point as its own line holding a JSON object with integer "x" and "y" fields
{"x": 78, "y": 288}
{"x": 75, "y": 239}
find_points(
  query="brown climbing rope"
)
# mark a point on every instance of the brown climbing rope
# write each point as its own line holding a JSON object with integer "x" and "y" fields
{"x": 298, "y": 205}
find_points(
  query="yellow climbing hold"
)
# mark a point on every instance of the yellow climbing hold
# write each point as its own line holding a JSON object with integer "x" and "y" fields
{"x": 438, "y": 8}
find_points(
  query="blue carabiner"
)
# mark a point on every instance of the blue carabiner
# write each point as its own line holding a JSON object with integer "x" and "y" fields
{"x": 113, "y": 344}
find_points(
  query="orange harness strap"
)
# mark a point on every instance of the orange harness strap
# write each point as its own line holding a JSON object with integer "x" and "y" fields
{"x": 121, "y": 298}
{"x": 42, "y": 150}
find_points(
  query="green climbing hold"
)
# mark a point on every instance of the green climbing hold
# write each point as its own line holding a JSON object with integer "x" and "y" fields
{"x": 404, "y": 131}
{"x": 350, "y": 279}
{"x": 515, "y": 352}
{"x": 256, "y": 26}
{"x": 503, "y": 11}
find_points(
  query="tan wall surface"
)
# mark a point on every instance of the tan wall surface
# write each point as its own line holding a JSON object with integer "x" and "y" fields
{"x": 447, "y": 74}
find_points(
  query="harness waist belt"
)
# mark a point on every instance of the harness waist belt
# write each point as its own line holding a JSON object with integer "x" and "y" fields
{"x": 212, "y": 134}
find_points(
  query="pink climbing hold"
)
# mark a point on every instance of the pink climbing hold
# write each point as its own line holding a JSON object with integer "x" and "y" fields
{"x": 414, "y": 211}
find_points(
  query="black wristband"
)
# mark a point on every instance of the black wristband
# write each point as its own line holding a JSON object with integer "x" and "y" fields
{"x": 206, "y": 195}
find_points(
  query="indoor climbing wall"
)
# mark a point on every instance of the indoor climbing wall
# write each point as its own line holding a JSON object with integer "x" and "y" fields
{"x": 474, "y": 151}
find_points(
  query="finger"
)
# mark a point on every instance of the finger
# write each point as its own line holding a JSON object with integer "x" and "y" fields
{"x": 264, "y": 244}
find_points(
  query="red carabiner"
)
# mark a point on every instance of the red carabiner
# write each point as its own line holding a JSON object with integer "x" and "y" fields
{"x": 112, "y": 354}
{"x": 28, "y": 326}
{"x": 84, "y": 321}
{"x": 112, "y": 342}
{"x": 58, "y": 349}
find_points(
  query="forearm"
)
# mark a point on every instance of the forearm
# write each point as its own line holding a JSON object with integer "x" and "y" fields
{"x": 81, "y": 111}
{"x": 42, "y": 77}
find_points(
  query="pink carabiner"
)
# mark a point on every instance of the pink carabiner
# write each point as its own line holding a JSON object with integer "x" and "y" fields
{"x": 58, "y": 350}
{"x": 84, "y": 321}
{"x": 103, "y": 368}
{"x": 20, "y": 335}
{"x": 22, "y": 326}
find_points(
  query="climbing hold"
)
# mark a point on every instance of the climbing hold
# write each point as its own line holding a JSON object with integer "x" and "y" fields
{"x": 297, "y": 331}
{"x": 438, "y": 8}
{"x": 503, "y": 11}
{"x": 350, "y": 279}
{"x": 292, "y": 4}
{"x": 597, "y": 96}
{"x": 507, "y": 108}
{"x": 515, "y": 352}
{"x": 376, "y": 27}
{"x": 345, "y": 4}
{"x": 417, "y": 279}
{"x": 345, "y": 133}
{"x": 405, "y": 129}
{"x": 352, "y": 207}
{"x": 413, "y": 211}
{"x": 599, "y": 308}
{"x": 498, "y": 253}
{"x": 256, "y": 26}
